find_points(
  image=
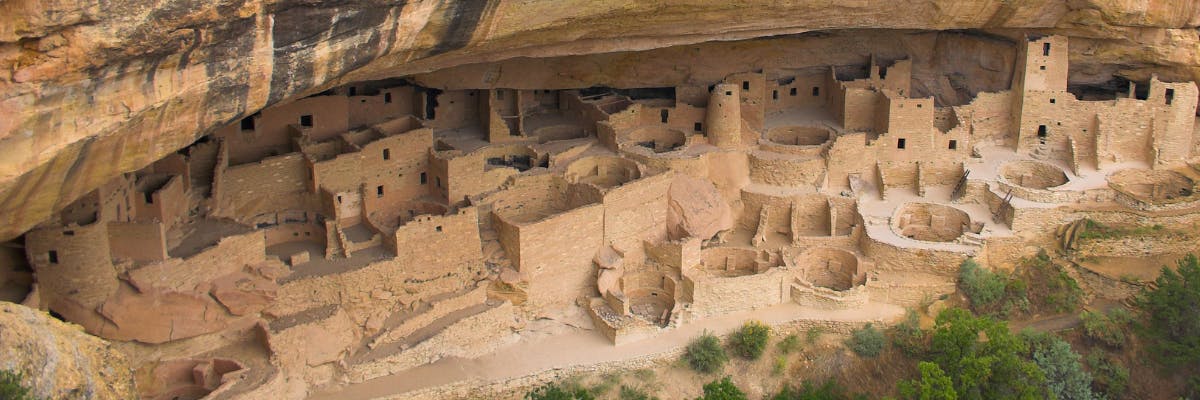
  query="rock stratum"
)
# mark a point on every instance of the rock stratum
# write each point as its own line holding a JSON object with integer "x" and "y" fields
{"x": 90, "y": 90}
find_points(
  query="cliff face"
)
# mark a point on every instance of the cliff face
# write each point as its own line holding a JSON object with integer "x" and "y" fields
{"x": 89, "y": 90}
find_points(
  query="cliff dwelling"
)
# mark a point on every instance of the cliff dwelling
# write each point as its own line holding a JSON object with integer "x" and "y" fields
{"x": 382, "y": 224}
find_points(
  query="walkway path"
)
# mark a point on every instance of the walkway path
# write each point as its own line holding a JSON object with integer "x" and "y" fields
{"x": 582, "y": 347}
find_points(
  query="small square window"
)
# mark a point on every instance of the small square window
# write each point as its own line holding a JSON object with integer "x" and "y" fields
{"x": 1043, "y": 67}
{"x": 792, "y": 92}
{"x": 745, "y": 85}
{"x": 817, "y": 91}
{"x": 953, "y": 144}
{"x": 728, "y": 93}
{"x": 900, "y": 143}
{"x": 379, "y": 191}
{"x": 438, "y": 228}
{"x": 423, "y": 178}
{"x": 387, "y": 154}
{"x": 387, "y": 97}
{"x": 1051, "y": 101}
{"x": 698, "y": 127}
{"x": 53, "y": 256}
{"x": 306, "y": 120}
{"x": 248, "y": 124}
{"x": 774, "y": 95}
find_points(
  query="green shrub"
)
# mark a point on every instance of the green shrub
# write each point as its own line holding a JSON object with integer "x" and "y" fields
{"x": 789, "y": 344}
{"x": 1107, "y": 328}
{"x": 779, "y": 366}
{"x": 634, "y": 393}
{"x": 1171, "y": 314}
{"x": 866, "y": 342}
{"x": 751, "y": 340}
{"x": 829, "y": 390}
{"x": 704, "y": 354}
{"x": 908, "y": 335}
{"x": 992, "y": 292}
{"x": 11, "y": 387}
{"x": 933, "y": 385}
{"x": 812, "y": 334}
{"x": 1056, "y": 291}
{"x": 554, "y": 391}
{"x": 1109, "y": 377}
{"x": 722, "y": 389}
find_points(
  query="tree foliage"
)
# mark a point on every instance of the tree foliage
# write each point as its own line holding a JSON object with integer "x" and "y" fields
{"x": 1065, "y": 376}
{"x": 1107, "y": 328}
{"x": 933, "y": 385}
{"x": 750, "y": 340}
{"x": 1172, "y": 314}
{"x": 908, "y": 335}
{"x": 554, "y": 391}
{"x": 990, "y": 292}
{"x": 11, "y": 387}
{"x": 704, "y": 354}
{"x": 985, "y": 358}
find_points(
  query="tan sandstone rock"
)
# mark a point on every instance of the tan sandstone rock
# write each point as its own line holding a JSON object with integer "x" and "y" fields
{"x": 59, "y": 360}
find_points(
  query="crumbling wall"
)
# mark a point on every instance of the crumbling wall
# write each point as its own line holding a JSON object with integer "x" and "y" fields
{"x": 274, "y": 184}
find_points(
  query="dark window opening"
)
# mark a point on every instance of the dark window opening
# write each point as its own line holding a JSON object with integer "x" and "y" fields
{"x": 900, "y": 143}
{"x": 149, "y": 197}
{"x": 438, "y": 181}
{"x": 353, "y": 91}
{"x": 745, "y": 85}
{"x": 306, "y": 120}
{"x": 430, "y": 104}
{"x": 379, "y": 191}
{"x": 339, "y": 199}
{"x": 728, "y": 93}
{"x": 1041, "y": 134}
{"x": 953, "y": 144}
{"x": 663, "y": 114}
{"x": 69, "y": 233}
{"x": 438, "y": 228}
{"x": 698, "y": 127}
{"x": 816, "y": 91}
{"x": 53, "y": 256}
{"x": 248, "y": 124}
{"x": 774, "y": 95}
{"x": 423, "y": 179}
{"x": 387, "y": 154}
{"x": 1170, "y": 96}
{"x": 882, "y": 73}
{"x": 1042, "y": 67}
{"x": 1045, "y": 49}
{"x": 918, "y": 105}
{"x": 1051, "y": 101}
{"x": 387, "y": 97}
{"x": 792, "y": 92}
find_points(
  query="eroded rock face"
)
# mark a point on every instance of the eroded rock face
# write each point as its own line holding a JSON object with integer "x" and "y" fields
{"x": 696, "y": 209}
{"x": 91, "y": 90}
{"x": 60, "y": 361}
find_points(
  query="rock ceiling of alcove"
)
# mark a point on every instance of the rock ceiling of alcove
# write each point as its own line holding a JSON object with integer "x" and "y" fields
{"x": 89, "y": 90}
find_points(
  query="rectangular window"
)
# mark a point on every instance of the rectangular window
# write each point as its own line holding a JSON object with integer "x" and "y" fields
{"x": 792, "y": 92}
{"x": 379, "y": 191}
{"x": 248, "y": 124}
{"x": 1041, "y": 134}
{"x": 664, "y": 114}
{"x": 900, "y": 143}
{"x": 423, "y": 180}
{"x": 816, "y": 91}
{"x": 745, "y": 85}
{"x": 1045, "y": 49}
{"x": 1051, "y": 101}
{"x": 339, "y": 199}
{"x": 438, "y": 228}
{"x": 1042, "y": 67}
{"x": 149, "y": 197}
{"x": 774, "y": 95}
{"x": 53, "y": 256}
{"x": 306, "y": 120}
{"x": 1170, "y": 96}
{"x": 953, "y": 144}
{"x": 728, "y": 93}
{"x": 387, "y": 97}
{"x": 387, "y": 154}
{"x": 698, "y": 127}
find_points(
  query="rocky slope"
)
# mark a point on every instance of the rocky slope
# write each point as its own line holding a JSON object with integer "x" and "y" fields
{"x": 58, "y": 360}
{"x": 89, "y": 90}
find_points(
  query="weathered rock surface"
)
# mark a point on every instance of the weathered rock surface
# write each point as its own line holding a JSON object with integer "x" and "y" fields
{"x": 696, "y": 209}
{"x": 59, "y": 360}
{"x": 89, "y": 90}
